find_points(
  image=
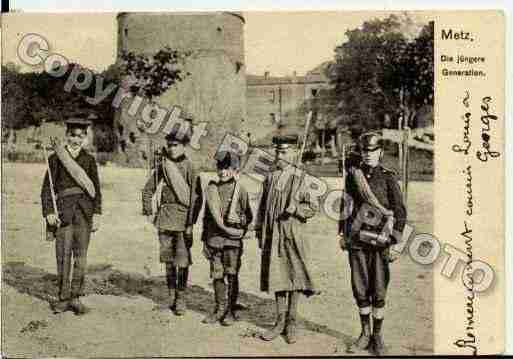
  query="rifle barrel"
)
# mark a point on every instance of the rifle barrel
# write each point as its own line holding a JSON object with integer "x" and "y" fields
{"x": 50, "y": 180}
{"x": 303, "y": 145}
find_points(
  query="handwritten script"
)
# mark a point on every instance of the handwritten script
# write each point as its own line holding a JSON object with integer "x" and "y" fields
{"x": 487, "y": 119}
{"x": 469, "y": 341}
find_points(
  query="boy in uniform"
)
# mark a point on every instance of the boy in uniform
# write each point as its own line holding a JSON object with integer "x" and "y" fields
{"x": 71, "y": 204}
{"x": 172, "y": 187}
{"x": 226, "y": 220}
{"x": 367, "y": 234}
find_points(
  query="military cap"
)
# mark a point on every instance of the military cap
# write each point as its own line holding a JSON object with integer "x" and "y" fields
{"x": 370, "y": 141}
{"x": 284, "y": 141}
{"x": 227, "y": 159}
{"x": 77, "y": 122}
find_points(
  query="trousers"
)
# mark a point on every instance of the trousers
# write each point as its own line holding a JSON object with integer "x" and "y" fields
{"x": 72, "y": 243}
{"x": 370, "y": 275}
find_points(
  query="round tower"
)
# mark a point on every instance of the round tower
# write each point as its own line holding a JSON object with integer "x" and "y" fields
{"x": 215, "y": 90}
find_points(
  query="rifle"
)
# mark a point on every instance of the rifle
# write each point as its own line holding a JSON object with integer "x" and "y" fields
{"x": 50, "y": 232}
{"x": 299, "y": 159}
{"x": 305, "y": 137}
{"x": 156, "y": 197}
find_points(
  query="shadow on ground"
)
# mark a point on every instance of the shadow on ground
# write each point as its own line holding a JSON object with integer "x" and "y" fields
{"x": 103, "y": 280}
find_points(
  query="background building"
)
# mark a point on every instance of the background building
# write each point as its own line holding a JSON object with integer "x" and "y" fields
{"x": 272, "y": 100}
{"x": 215, "y": 91}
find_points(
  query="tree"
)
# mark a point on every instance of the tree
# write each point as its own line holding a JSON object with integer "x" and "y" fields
{"x": 379, "y": 71}
{"x": 151, "y": 76}
{"x": 15, "y": 98}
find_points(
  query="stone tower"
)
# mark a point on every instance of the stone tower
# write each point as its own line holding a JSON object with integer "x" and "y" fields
{"x": 214, "y": 93}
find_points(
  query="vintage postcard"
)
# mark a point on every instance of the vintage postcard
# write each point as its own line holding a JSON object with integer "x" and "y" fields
{"x": 252, "y": 183}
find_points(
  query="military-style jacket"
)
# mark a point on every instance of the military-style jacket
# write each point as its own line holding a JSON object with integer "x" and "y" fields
{"x": 384, "y": 185}
{"x": 70, "y": 196}
{"x": 172, "y": 215}
{"x": 212, "y": 234}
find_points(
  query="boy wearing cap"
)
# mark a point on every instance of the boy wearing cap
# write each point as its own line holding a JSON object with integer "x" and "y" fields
{"x": 226, "y": 220}
{"x": 284, "y": 208}
{"x": 72, "y": 176}
{"x": 174, "y": 183}
{"x": 367, "y": 234}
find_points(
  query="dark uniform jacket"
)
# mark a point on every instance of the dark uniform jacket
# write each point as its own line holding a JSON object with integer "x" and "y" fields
{"x": 212, "y": 234}
{"x": 172, "y": 215}
{"x": 70, "y": 196}
{"x": 384, "y": 184}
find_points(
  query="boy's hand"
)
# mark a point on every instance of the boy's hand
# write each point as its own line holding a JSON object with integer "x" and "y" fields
{"x": 52, "y": 220}
{"x": 342, "y": 241}
{"x": 291, "y": 209}
{"x": 96, "y": 223}
{"x": 391, "y": 254}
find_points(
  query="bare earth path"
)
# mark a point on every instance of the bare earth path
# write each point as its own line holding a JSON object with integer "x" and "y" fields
{"x": 125, "y": 286}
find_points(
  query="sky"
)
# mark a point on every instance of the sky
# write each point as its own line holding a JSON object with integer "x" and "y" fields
{"x": 279, "y": 42}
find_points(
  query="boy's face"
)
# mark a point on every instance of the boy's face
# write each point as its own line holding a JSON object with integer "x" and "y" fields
{"x": 371, "y": 158}
{"x": 76, "y": 138}
{"x": 286, "y": 154}
{"x": 175, "y": 149}
{"x": 225, "y": 173}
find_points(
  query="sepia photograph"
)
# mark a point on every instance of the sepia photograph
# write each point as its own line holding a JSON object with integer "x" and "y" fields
{"x": 220, "y": 183}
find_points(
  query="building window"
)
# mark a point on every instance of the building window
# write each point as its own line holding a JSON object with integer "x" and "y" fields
{"x": 314, "y": 92}
{"x": 272, "y": 97}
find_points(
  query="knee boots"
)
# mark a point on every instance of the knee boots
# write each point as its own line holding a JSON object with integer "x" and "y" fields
{"x": 229, "y": 315}
{"x": 225, "y": 297}
{"x": 177, "y": 285}
{"x": 220, "y": 307}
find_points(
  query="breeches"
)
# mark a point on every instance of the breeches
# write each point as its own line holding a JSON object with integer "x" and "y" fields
{"x": 225, "y": 261}
{"x": 370, "y": 276}
{"x": 173, "y": 249}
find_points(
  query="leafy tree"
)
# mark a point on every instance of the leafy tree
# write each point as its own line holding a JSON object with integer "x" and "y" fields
{"x": 378, "y": 71}
{"x": 15, "y": 99}
{"x": 35, "y": 97}
{"x": 151, "y": 76}
{"x": 147, "y": 76}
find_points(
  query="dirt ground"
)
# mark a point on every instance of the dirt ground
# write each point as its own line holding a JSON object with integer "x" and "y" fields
{"x": 125, "y": 286}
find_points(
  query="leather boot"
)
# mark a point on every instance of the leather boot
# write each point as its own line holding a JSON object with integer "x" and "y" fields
{"x": 378, "y": 344}
{"x": 290, "y": 329}
{"x": 229, "y": 318}
{"x": 363, "y": 341}
{"x": 220, "y": 294}
{"x": 281, "y": 311}
{"x": 171, "y": 285}
{"x": 180, "y": 306}
{"x": 235, "y": 297}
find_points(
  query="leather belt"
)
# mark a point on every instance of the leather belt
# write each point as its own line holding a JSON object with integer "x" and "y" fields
{"x": 70, "y": 192}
